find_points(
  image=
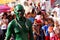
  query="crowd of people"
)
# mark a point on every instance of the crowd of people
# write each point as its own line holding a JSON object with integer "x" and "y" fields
{"x": 45, "y": 25}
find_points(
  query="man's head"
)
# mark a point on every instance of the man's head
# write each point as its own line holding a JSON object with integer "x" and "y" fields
{"x": 57, "y": 5}
{"x": 19, "y": 11}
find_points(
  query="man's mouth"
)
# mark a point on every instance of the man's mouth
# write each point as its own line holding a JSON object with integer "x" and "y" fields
{"x": 20, "y": 14}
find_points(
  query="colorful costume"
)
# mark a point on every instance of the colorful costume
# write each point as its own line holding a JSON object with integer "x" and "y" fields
{"x": 19, "y": 27}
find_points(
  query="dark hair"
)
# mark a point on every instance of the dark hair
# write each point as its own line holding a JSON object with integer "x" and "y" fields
{"x": 52, "y": 25}
{"x": 30, "y": 3}
{"x": 5, "y": 14}
{"x": 33, "y": 10}
{"x": 39, "y": 13}
{"x": 50, "y": 19}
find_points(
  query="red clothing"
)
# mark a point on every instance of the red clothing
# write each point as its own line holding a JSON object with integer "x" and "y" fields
{"x": 47, "y": 37}
{"x": 56, "y": 37}
{"x": 52, "y": 38}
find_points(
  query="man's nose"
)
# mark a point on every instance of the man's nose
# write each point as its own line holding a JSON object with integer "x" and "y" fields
{"x": 19, "y": 12}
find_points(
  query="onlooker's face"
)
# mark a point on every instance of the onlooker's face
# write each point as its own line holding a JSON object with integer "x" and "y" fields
{"x": 46, "y": 22}
{"x": 4, "y": 17}
{"x": 50, "y": 29}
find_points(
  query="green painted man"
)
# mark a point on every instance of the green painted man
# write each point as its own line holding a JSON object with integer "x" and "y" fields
{"x": 20, "y": 27}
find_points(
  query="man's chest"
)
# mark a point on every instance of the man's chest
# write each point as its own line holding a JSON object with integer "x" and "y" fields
{"x": 21, "y": 28}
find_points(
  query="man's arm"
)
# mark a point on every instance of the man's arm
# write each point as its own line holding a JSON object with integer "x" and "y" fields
{"x": 31, "y": 31}
{"x": 9, "y": 31}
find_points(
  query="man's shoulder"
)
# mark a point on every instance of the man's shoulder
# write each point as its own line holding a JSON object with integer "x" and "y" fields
{"x": 12, "y": 22}
{"x": 29, "y": 23}
{"x": 27, "y": 20}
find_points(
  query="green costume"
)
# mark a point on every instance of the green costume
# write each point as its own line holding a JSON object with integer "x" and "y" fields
{"x": 19, "y": 27}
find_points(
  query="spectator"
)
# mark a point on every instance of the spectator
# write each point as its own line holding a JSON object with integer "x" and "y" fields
{"x": 45, "y": 29}
{"x": 57, "y": 10}
{"x": 37, "y": 31}
{"x": 51, "y": 32}
{"x": 4, "y": 24}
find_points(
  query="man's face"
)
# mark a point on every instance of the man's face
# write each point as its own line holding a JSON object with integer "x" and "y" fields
{"x": 19, "y": 11}
{"x": 20, "y": 14}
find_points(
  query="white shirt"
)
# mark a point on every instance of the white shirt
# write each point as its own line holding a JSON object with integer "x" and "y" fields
{"x": 57, "y": 10}
{"x": 43, "y": 7}
{"x": 51, "y": 34}
{"x": 4, "y": 25}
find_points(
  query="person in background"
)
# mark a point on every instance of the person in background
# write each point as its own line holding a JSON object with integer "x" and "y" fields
{"x": 57, "y": 10}
{"x": 33, "y": 14}
{"x": 51, "y": 32}
{"x": 57, "y": 30}
{"x": 4, "y": 24}
{"x": 45, "y": 29}
{"x": 37, "y": 30}
{"x": 38, "y": 7}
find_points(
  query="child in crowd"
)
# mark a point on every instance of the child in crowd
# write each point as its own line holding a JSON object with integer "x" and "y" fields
{"x": 37, "y": 31}
{"x": 45, "y": 29}
{"x": 57, "y": 31}
{"x": 51, "y": 32}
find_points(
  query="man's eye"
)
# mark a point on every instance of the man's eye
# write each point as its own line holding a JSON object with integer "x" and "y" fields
{"x": 19, "y": 11}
